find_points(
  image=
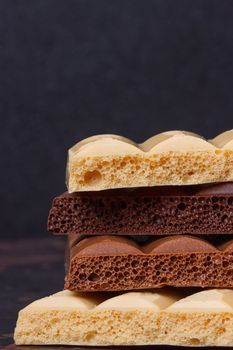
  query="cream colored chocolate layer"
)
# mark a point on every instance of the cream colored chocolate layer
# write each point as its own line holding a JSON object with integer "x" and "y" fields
{"x": 135, "y": 318}
{"x": 170, "y": 158}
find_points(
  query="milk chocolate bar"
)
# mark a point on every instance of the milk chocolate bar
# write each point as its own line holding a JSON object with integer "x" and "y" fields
{"x": 108, "y": 263}
{"x": 205, "y": 209}
{"x": 170, "y": 158}
{"x": 135, "y": 318}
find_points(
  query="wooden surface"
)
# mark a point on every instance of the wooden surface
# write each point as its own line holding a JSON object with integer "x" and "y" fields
{"x": 31, "y": 269}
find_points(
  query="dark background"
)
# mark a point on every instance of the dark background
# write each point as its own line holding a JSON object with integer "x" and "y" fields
{"x": 70, "y": 69}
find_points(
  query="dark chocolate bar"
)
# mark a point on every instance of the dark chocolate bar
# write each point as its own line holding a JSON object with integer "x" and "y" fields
{"x": 166, "y": 210}
{"x": 108, "y": 263}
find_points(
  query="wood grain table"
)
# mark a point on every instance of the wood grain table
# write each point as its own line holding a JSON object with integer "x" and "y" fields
{"x": 31, "y": 269}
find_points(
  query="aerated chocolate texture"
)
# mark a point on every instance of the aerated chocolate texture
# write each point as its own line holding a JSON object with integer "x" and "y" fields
{"x": 205, "y": 209}
{"x": 170, "y": 158}
{"x": 108, "y": 263}
{"x": 135, "y": 318}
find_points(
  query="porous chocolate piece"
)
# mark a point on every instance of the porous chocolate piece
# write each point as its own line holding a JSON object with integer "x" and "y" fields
{"x": 170, "y": 158}
{"x": 106, "y": 320}
{"x": 107, "y": 263}
{"x": 206, "y": 209}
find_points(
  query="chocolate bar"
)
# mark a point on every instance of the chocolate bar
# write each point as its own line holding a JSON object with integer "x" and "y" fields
{"x": 108, "y": 263}
{"x": 170, "y": 158}
{"x": 205, "y": 209}
{"x": 135, "y": 318}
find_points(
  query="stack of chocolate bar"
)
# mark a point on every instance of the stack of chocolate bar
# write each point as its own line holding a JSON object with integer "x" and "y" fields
{"x": 149, "y": 226}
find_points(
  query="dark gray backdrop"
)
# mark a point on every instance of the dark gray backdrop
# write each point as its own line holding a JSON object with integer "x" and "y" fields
{"x": 70, "y": 69}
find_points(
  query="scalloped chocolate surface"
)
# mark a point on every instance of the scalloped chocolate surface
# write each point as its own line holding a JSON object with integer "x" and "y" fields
{"x": 135, "y": 318}
{"x": 107, "y": 263}
{"x": 169, "y": 158}
{"x": 203, "y": 209}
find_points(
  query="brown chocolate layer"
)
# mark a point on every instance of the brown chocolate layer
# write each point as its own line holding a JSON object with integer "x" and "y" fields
{"x": 205, "y": 209}
{"x": 108, "y": 263}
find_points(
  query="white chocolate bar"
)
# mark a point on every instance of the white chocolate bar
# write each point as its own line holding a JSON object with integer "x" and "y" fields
{"x": 135, "y": 318}
{"x": 170, "y": 158}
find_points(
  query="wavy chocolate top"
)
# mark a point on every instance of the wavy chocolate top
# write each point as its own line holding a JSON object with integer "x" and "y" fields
{"x": 111, "y": 245}
{"x": 107, "y": 144}
{"x": 169, "y": 158}
{"x": 116, "y": 263}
